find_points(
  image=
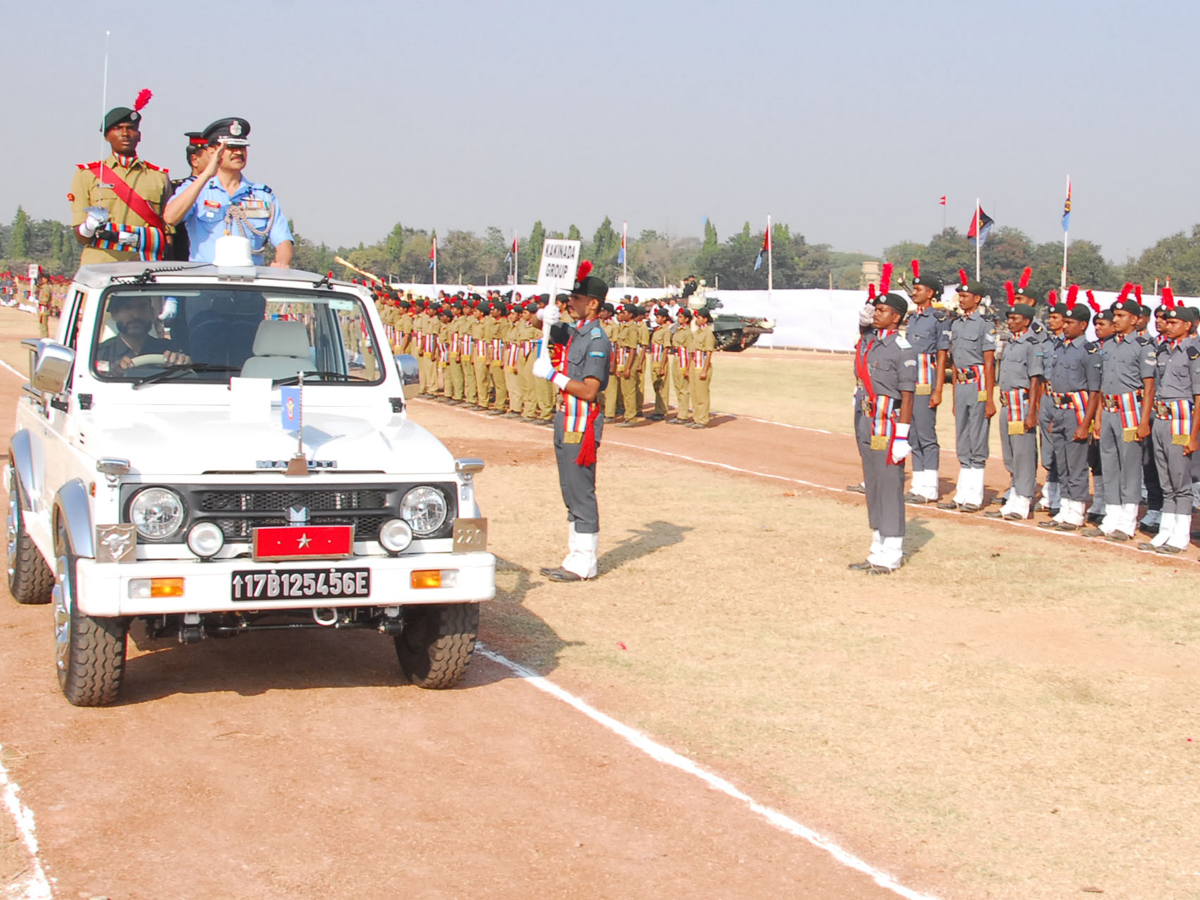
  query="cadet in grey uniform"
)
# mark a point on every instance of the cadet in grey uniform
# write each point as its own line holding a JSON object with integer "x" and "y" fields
{"x": 1050, "y": 490}
{"x": 579, "y": 422}
{"x": 973, "y": 349}
{"x": 1073, "y": 393}
{"x": 1127, "y": 365}
{"x": 1175, "y": 431}
{"x": 1021, "y": 369}
{"x": 929, "y": 334}
{"x": 885, "y": 366}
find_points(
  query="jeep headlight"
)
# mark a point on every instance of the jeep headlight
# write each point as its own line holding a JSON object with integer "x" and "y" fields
{"x": 156, "y": 513}
{"x": 424, "y": 508}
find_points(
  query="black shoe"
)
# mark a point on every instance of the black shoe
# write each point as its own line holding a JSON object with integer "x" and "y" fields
{"x": 656, "y": 417}
{"x": 1049, "y": 523}
{"x": 857, "y": 488}
{"x": 512, "y": 415}
{"x": 993, "y": 514}
{"x": 1146, "y": 545}
{"x": 947, "y": 504}
{"x": 969, "y": 507}
{"x": 678, "y": 421}
{"x": 1117, "y": 536}
{"x": 918, "y": 499}
{"x": 1092, "y": 532}
{"x": 1167, "y": 549}
{"x": 1066, "y": 526}
{"x": 695, "y": 425}
{"x": 860, "y": 566}
{"x": 998, "y": 500}
{"x": 880, "y": 570}
{"x": 561, "y": 574}
{"x": 1093, "y": 518}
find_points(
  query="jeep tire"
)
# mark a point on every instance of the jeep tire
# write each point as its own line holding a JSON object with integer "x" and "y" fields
{"x": 437, "y": 642}
{"x": 29, "y": 578}
{"x": 89, "y": 652}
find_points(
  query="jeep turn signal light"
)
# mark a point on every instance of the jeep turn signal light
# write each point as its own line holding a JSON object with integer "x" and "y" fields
{"x": 145, "y": 588}
{"x": 434, "y": 578}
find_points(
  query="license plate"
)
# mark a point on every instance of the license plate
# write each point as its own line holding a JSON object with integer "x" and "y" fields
{"x": 306, "y": 584}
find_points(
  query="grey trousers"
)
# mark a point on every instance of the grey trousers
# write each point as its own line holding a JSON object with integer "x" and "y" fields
{"x": 1071, "y": 456}
{"x": 1049, "y": 460}
{"x": 578, "y": 483}
{"x": 884, "y": 485}
{"x": 1121, "y": 461}
{"x": 970, "y": 426}
{"x": 923, "y": 435}
{"x": 1174, "y": 470}
{"x": 1020, "y": 458}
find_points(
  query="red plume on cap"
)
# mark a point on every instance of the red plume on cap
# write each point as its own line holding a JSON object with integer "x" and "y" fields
{"x": 1012, "y": 295}
{"x": 1024, "y": 282}
{"x": 1072, "y": 296}
{"x": 1052, "y": 299}
{"x": 1137, "y": 292}
{"x": 885, "y": 278}
{"x": 871, "y": 291}
{"x": 962, "y": 276}
{"x": 143, "y": 98}
{"x": 1168, "y": 297}
{"x": 1124, "y": 295}
{"x": 585, "y": 269}
{"x": 1092, "y": 302}
{"x": 916, "y": 264}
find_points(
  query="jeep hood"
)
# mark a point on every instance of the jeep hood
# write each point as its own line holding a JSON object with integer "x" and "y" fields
{"x": 193, "y": 440}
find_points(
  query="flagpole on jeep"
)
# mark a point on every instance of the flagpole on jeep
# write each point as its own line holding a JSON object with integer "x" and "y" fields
{"x": 770, "y": 262}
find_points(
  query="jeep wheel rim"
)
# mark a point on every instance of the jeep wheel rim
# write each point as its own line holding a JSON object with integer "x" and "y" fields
{"x": 62, "y": 616}
{"x": 10, "y": 522}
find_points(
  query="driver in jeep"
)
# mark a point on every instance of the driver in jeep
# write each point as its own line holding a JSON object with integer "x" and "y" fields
{"x": 134, "y": 319}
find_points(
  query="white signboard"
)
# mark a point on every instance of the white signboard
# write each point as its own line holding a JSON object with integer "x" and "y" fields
{"x": 34, "y": 271}
{"x": 560, "y": 259}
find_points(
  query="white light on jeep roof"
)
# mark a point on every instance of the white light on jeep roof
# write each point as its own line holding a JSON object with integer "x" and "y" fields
{"x": 205, "y": 539}
{"x": 233, "y": 251}
{"x": 156, "y": 513}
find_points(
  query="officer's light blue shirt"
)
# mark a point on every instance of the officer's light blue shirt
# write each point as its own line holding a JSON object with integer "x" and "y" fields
{"x": 205, "y": 221}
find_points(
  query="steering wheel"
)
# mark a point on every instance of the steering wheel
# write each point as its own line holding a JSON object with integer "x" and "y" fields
{"x": 148, "y": 359}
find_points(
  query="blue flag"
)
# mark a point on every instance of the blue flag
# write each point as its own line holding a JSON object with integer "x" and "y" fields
{"x": 290, "y": 408}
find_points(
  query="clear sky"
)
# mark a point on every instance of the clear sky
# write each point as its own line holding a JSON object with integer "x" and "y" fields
{"x": 846, "y": 120}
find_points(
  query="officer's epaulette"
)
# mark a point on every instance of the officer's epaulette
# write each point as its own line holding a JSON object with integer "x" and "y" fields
{"x": 266, "y": 189}
{"x": 1092, "y": 346}
{"x": 1193, "y": 352}
{"x": 88, "y": 165}
{"x": 1142, "y": 339}
{"x": 939, "y": 314}
{"x": 154, "y": 167}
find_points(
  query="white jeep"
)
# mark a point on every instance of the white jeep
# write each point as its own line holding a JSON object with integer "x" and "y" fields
{"x": 217, "y": 449}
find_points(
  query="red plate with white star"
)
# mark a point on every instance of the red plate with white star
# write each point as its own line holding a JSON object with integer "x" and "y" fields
{"x": 303, "y": 542}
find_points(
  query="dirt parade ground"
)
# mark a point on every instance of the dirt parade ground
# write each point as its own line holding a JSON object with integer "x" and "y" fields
{"x": 727, "y": 712}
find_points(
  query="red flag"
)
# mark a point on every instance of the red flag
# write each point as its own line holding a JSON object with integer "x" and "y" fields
{"x": 942, "y": 201}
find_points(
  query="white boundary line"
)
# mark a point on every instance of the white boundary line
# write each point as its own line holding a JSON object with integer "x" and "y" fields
{"x": 36, "y": 886}
{"x": 669, "y": 757}
{"x": 11, "y": 369}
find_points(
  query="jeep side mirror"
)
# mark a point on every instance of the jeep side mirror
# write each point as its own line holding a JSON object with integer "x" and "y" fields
{"x": 410, "y": 375}
{"x": 52, "y": 363}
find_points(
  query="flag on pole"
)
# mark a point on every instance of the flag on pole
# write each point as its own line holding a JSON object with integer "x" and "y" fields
{"x": 942, "y": 200}
{"x": 621, "y": 255}
{"x": 433, "y": 251}
{"x": 1067, "y": 207}
{"x": 766, "y": 247}
{"x": 512, "y": 251}
{"x": 981, "y": 226}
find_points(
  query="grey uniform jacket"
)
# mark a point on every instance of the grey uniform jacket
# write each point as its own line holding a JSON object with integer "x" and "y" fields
{"x": 1124, "y": 363}
{"x": 970, "y": 337}
{"x": 1023, "y": 360}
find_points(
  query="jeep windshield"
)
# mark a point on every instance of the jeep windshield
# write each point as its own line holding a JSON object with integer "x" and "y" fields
{"x": 171, "y": 335}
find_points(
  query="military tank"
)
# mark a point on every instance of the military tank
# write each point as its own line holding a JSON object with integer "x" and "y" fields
{"x": 733, "y": 332}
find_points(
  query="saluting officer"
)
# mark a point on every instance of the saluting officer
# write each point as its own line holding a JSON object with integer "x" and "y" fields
{"x": 117, "y": 204}
{"x": 222, "y": 201}
{"x": 885, "y": 368}
{"x": 579, "y": 422}
{"x": 929, "y": 333}
{"x": 973, "y": 348}
{"x": 1021, "y": 370}
{"x": 1073, "y": 392}
{"x": 1127, "y": 365}
{"x": 1176, "y": 427}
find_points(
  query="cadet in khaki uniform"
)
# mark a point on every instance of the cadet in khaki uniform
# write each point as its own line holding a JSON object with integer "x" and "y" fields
{"x": 458, "y": 340}
{"x": 445, "y": 334}
{"x": 660, "y": 358}
{"x": 420, "y": 329}
{"x": 512, "y": 350}
{"x": 614, "y": 330}
{"x": 469, "y": 345}
{"x": 132, "y": 191}
{"x": 543, "y": 389}
{"x": 681, "y": 364}
{"x": 640, "y": 316}
{"x": 479, "y": 330}
{"x": 627, "y": 365}
{"x": 45, "y": 308}
{"x": 495, "y": 332}
{"x": 704, "y": 345}
{"x": 526, "y": 335}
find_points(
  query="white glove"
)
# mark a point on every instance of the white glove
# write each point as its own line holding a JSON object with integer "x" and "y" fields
{"x": 866, "y": 315}
{"x": 549, "y": 314}
{"x": 543, "y": 368}
{"x": 900, "y": 445}
{"x": 95, "y": 218}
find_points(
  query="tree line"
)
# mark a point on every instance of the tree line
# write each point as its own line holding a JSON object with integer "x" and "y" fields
{"x": 655, "y": 259}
